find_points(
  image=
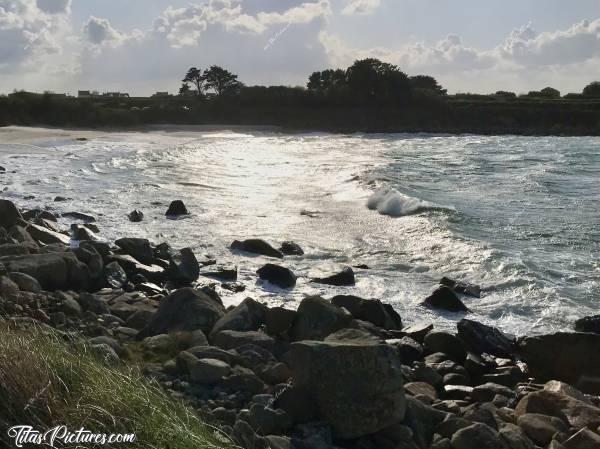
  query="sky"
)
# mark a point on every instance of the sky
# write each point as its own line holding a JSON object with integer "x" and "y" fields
{"x": 144, "y": 46}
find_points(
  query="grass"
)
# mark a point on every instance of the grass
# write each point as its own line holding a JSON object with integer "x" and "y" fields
{"x": 47, "y": 380}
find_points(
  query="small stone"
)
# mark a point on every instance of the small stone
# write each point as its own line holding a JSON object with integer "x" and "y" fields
{"x": 135, "y": 216}
{"x": 176, "y": 208}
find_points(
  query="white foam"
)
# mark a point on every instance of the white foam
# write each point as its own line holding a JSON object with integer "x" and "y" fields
{"x": 390, "y": 202}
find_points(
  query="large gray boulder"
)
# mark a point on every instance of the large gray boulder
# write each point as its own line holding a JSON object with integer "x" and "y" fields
{"x": 54, "y": 271}
{"x": 480, "y": 339}
{"x": 317, "y": 318}
{"x": 139, "y": 249}
{"x": 185, "y": 309}
{"x": 356, "y": 385}
{"x": 371, "y": 310}
{"x": 444, "y": 298}
{"x": 184, "y": 266}
{"x": 9, "y": 214}
{"x": 571, "y": 357}
{"x": 249, "y": 315}
{"x": 277, "y": 275}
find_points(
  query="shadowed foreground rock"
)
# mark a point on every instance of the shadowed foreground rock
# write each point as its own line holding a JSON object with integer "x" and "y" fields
{"x": 185, "y": 309}
{"x": 356, "y": 385}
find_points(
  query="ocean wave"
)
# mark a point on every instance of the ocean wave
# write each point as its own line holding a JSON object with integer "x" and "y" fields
{"x": 388, "y": 201}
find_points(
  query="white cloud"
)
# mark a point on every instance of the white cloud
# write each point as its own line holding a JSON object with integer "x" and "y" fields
{"x": 360, "y": 7}
{"x": 99, "y": 31}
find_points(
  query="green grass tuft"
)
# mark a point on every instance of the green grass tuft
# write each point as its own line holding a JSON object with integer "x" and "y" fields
{"x": 48, "y": 380}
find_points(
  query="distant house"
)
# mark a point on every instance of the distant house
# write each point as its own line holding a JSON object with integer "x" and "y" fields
{"x": 115, "y": 95}
{"x": 161, "y": 94}
{"x": 84, "y": 94}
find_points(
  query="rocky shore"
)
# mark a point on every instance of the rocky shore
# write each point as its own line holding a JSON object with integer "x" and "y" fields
{"x": 341, "y": 372}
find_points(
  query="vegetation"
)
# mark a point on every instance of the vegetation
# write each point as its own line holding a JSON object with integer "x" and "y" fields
{"x": 46, "y": 381}
{"x": 368, "y": 96}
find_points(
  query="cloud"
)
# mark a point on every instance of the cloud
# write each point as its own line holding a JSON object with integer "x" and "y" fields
{"x": 579, "y": 43}
{"x": 99, "y": 31}
{"x": 28, "y": 34}
{"x": 360, "y": 7}
{"x": 54, "y": 6}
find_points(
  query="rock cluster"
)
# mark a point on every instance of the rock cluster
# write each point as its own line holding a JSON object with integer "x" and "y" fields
{"x": 342, "y": 372}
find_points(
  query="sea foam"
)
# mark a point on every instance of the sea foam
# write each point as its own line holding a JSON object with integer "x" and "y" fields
{"x": 388, "y": 201}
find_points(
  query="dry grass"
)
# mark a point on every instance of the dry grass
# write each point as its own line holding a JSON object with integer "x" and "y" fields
{"x": 48, "y": 380}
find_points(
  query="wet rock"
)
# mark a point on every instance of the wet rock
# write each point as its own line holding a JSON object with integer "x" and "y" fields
{"x": 257, "y": 246}
{"x": 515, "y": 437}
{"x": 422, "y": 420}
{"x": 452, "y": 346}
{"x": 478, "y": 436}
{"x": 135, "y": 216}
{"x": 277, "y": 275}
{"x": 488, "y": 391}
{"x": 81, "y": 233}
{"x": 9, "y": 214}
{"x": 291, "y": 249}
{"x": 444, "y": 298}
{"x": 115, "y": 275}
{"x": 409, "y": 350}
{"x": 235, "y": 287}
{"x": 421, "y": 389}
{"x": 25, "y": 282}
{"x": 480, "y": 339}
{"x": 139, "y": 249}
{"x": 221, "y": 272}
{"x": 208, "y": 371}
{"x": 34, "y": 214}
{"x": 371, "y": 310}
{"x": 249, "y": 315}
{"x": 317, "y": 318}
{"x": 184, "y": 266}
{"x": 343, "y": 278}
{"x": 588, "y": 324}
{"x": 176, "y": 208}
{"x": 457, "y": 392}
{"x": 279, "y": 320}
{"x": 460, "y": 287}
{"x": 541, "y": 428}
{"x": 79, "y": 216}
{"x": 357, "y": 386}
{"x": 19, "y": 234}
{"x": 44, "y": 235}
{"x": 569, "y": 357}
{"x": 184, "y": 310}
{"x": 418, "y": 331}
{"x": 133, "y": 267}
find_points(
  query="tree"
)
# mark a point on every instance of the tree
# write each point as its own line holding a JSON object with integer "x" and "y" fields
{"x": 327, "y": 80}
{"x": 505, "y": 94}
{"x": 221, "y": 81}
{"x": 185, "y": 90}
{"x": 427, "y": 82}
{"x": 592, "y": 89}
{"x": 373, "y": 79}
{"x": 195, "y": 77}
{"x": 550, "y": 92}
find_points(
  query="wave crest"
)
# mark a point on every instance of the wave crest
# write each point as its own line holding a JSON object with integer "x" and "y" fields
{"x": 388, "y": 201}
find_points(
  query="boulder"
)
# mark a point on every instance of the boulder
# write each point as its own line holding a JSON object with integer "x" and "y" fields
{"x": 185, "y": 309}
{"x": 133, "y": 267}
{"x": 34, "y": 214}
{"x": 54, "y": 271}
{"x": 584, "y": 439}
{"x": 276, "y": 274}
{"x": 139, "y": 249}
{"x": 480, "y": 339}
{"x": 135, "y": 216}
{"x": 422, "y": 420}
{"x": 461, "y": 287}
{"x": 343, "y": 278}
{"x": 81, "y": 233}
{"x": 478, "y": 435}
{"x": 249, "y": 315}
{"x": 371, "y": 310}
{"x": 452, "y": 346}
{"x": 79, "y": 216}
{"x": 114, "y": 275}
{"x": 541, "y": 428}
{"x": 257, "y": 246}
{"x": 291, "y": 249}
{"x": 176, "y": 208}
{"x": 44, "y": 235}
{"x": 208, "y": 371}
{"x": 317, "y": 318}
{"x": 25, "y": 282}
{"x": 444, "y": 298}
{"x": 588, "y": 324}
{"x": 279, "y": 320}
{"x": 569, "y": 357}
{"x": 228, "y": 339}
{"x": 9, "y": 214}
{"x": 418, "y": 331}
{"x": 221, "y": 272}
{"x": 577, "y": 413}
{"x": 356, "y": 386}
{"x": 184, "y": 266}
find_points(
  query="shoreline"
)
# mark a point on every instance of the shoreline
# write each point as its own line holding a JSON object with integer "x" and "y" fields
{"x": 344, "y": 367}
